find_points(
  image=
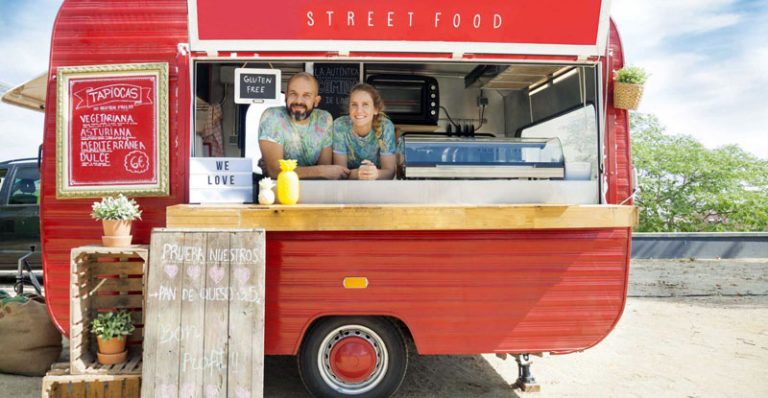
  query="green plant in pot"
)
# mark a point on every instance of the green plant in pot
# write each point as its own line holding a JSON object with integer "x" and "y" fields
{"x": 116, "y": 214}
{"x": 628, "y": 87}
{"x": 111, "y": 330}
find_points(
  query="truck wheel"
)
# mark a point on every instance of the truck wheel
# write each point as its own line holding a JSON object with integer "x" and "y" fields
{"x": 353, "y": 357}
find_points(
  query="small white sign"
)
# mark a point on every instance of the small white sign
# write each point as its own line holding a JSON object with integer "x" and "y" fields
{"x": 220, "y": 180}
{"x": 257, "y": 86}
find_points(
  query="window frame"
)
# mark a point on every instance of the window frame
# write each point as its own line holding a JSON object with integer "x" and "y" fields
{"x": 3, "y": 194}
{"x": 6, "y": 196}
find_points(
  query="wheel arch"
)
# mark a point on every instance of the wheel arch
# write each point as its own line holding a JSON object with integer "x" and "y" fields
{"x": 405, "y": 331}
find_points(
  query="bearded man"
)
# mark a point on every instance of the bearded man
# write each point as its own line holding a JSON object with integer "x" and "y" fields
{"x": 299, "y": 131}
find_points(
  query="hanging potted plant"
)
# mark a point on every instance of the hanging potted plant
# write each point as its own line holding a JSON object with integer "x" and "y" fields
{"x": 111, "y": 330}
{"x": 116, "y": 214}
{"x": 628, "y": 87}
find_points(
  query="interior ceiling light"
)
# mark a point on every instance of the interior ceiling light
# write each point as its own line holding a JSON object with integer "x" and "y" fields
{"x": 538, "y": 89}
{"x": 566, "y": 75}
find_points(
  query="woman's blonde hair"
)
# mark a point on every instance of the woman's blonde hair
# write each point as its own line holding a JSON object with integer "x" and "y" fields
{"x": 378, "y": 103}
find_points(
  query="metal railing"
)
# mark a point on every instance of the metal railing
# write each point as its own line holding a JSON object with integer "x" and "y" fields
{"x": 700, "y": 245}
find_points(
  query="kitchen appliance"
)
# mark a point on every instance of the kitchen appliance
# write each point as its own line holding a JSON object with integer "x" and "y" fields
{"x": 437, "y": 157}
{"x": 409, "y": 99}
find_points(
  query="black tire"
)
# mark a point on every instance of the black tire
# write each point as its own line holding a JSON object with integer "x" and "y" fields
{"x": 385, "y": 339}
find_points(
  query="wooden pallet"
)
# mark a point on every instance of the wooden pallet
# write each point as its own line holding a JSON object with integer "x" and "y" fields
{"x": 59, "y": 383}
{"x": 106, "y": 279}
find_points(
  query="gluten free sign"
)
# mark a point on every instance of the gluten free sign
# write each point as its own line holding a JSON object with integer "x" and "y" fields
{"x": 257, "y": 85}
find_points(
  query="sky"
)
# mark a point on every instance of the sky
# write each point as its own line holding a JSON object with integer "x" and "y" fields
{"x": 708, "y": 61}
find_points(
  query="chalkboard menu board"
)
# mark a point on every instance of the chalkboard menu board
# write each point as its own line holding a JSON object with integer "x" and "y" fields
{"x": 335, "y": 81}
{"x": 112, "y": 130}
{"x": 257, "y": 85}
{"x": 204, "y": 314}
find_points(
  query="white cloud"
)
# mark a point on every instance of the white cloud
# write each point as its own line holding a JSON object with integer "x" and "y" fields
{"x": 658, "y": 20}
{"x": 716, "y": 96}
{"x": 24, "y": 42}
{"x": 21, "y": 131}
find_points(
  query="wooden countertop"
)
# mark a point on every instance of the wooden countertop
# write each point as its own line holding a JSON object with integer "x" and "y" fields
{"x": 383, "y": 217}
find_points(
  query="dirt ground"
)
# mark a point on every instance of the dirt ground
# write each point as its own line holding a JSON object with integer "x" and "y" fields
{"x": 690, "y": 339}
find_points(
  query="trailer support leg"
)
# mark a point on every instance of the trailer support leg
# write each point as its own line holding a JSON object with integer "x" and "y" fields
{"x": 525, "y": 380}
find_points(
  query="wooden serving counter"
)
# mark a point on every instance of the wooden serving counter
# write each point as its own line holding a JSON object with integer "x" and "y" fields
{"x": 383, "y": 217}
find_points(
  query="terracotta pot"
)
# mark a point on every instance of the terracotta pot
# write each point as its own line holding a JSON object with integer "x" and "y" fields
{"x": 111, "y": 351}
{"x": 116, "y": 241}
{"x": 116, "y": 227}
{"x": 114, "y": 345}
{"x": 117, "y": 233}
{"x": 111, "y": 359}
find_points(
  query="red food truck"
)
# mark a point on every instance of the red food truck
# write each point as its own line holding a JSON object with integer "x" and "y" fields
{"x": 507, "y": 229}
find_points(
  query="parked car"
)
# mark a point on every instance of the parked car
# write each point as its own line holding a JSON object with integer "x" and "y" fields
{"x": 19, "y": 211}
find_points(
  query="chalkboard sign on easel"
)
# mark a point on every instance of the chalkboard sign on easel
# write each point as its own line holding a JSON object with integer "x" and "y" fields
{"x": 257, "y": 85}
{"x": 335, "y": 81}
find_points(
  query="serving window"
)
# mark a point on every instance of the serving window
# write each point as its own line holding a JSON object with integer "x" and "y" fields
{"x": 497, "y": 128}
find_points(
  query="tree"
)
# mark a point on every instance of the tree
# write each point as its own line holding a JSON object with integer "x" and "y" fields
{"x": 685, "y": 187}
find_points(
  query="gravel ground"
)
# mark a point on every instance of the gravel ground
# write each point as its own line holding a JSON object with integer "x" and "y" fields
{"x": 690, "y": 329}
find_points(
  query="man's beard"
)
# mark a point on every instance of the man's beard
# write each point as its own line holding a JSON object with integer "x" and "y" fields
{"x": 300, "y": 112}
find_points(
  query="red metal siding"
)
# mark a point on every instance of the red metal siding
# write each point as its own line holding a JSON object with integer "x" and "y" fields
{"x": 619, "y": 159}
{"x": 110, "y": 32}
{"x": 458, "y": 292}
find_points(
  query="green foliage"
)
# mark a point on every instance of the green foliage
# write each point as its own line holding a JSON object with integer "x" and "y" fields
{"x": 685, "y": 187}
{"x": 631, "y": 74}
{"x": 112, "y": 324}
{"x": 120, "y": 208}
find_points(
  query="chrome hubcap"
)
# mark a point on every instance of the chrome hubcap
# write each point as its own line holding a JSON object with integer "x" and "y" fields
{"x": 352, "y": 359}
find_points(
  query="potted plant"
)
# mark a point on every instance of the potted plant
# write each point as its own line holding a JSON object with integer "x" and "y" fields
{"x": 111, "y": 329}
{"x": 628, "y": 87}
{"x": 116, "y": 214}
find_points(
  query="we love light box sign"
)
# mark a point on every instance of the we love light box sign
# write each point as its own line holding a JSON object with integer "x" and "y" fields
{"x": 220, "y": 180}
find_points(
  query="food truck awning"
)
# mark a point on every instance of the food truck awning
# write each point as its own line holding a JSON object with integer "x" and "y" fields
{"x": 29, "y": 95}
{"x": 531, "y": 27}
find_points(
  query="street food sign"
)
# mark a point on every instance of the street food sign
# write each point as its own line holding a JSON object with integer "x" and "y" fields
{"x": 536, "y": 27}
{"x": 112, "y": 130}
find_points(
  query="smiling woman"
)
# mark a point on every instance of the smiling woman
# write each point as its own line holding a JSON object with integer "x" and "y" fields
{"x": 364, "y": 141}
